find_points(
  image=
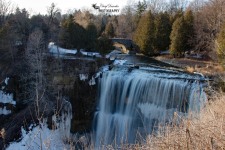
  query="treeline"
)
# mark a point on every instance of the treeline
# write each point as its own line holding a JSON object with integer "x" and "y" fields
{"x": 176, "y": 25}
{"x": 155, "y": 25}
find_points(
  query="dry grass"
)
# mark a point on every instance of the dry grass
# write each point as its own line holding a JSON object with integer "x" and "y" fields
{"x": 205, "y": 132}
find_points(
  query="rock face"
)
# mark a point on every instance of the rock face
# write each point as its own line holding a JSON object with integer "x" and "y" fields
{"x": 73, "y": 81}
{"x": 83, "y": 99}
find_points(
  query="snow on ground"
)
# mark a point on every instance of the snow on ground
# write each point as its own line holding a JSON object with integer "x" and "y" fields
{"x": 62, "y": 51}
{"x": 83, "y": 77}
{"x": 6, "y": 80}
{"x": 40, "y": 137}
{"x": 4, "y": 111}
{"x": 6, "y": 98}
{"x": 84, "y": 53}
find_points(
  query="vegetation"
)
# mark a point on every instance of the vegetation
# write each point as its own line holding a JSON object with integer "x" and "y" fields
{"x": 204, "y": 132}
{"x": 220, "y": 45}
{"x": 144, "y": 35}
{"x": 181, "y": 35}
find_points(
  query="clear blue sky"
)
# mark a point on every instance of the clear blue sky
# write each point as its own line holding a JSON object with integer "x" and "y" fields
{"x": 40, "y": 6}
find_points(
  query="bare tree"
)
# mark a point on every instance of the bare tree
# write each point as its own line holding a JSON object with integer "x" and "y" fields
{"x": 52, "y": 13}
{"x": 35, "y": 60}
{"x": 209, "y": 17}
{"x": 157, "y": 6}
{"x": 177, "y": 5}
{"x": 5, "y": 9}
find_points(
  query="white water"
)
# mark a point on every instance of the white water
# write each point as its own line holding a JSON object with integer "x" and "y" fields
{"x": 133, "y": 102}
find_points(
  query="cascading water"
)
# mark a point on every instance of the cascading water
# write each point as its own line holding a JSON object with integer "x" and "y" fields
{"x": 133, "y": 101}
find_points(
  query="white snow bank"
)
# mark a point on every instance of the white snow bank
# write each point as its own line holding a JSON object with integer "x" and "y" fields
{"x": 62, "y": 51}
{"x": 96, "y": 54}
{"x": 6, "y": 98}
{"x": 4, "y": 111}
{"x": 6, "y": 80}
{"x": 43, "y": 138}
{"x": 83, "y": 77}
{"x": 39, "y": 137}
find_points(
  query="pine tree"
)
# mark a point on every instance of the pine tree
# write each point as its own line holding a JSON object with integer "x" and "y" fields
{"x": 140, "y": 9}
{"x": 182, "y": 34}
{"x": 144, "y": 34}
{"x": 104, "y": 45}
{"x": 91, "y": 36}
{"x": 220, "y": 45}
{"x": 162, "y": 32}
{"x": 177, "y": 37}
{"x": 73, "y": 35}
{"x": 189, "y": 30}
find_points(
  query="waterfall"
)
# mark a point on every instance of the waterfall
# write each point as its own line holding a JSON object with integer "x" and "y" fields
{"x": 132, "y": 102}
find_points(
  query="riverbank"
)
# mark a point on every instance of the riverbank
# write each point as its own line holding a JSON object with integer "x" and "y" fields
{"x": 208, "y": 68}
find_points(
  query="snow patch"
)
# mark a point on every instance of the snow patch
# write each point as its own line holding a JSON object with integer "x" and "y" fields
{"x": 61, "y": 51}
{"x": 40, "y": 137}
{"x": 4, "y": 111}
{"x": 92, "y": 54}
{"x": 83, "y": 77}
{"x": 6, "y": 81}
{"x": 92, "y": 81}
{"x": 6, "y": 98}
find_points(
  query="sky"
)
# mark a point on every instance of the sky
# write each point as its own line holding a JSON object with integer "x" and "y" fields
{"x": 40, "y": 6}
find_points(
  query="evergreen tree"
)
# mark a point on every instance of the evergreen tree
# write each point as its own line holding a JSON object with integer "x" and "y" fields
{"x": 177, "y": 37}
{"x": 73, "y": 35}
{"x": 182, "y": 34}
{"x": 109, "y": 30}
{"x": 175, "y": 16}
{"x": 162, "y": 31}
{"x": 189, "y": 30}
{"x": 91, "y": 36}
{"x": 220, "y": 45}
{"x": 141, "y": 7}
{"x": 144, "y": 34}
{"x": 104, "y": 45}
{"x": 38, "y": 22}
